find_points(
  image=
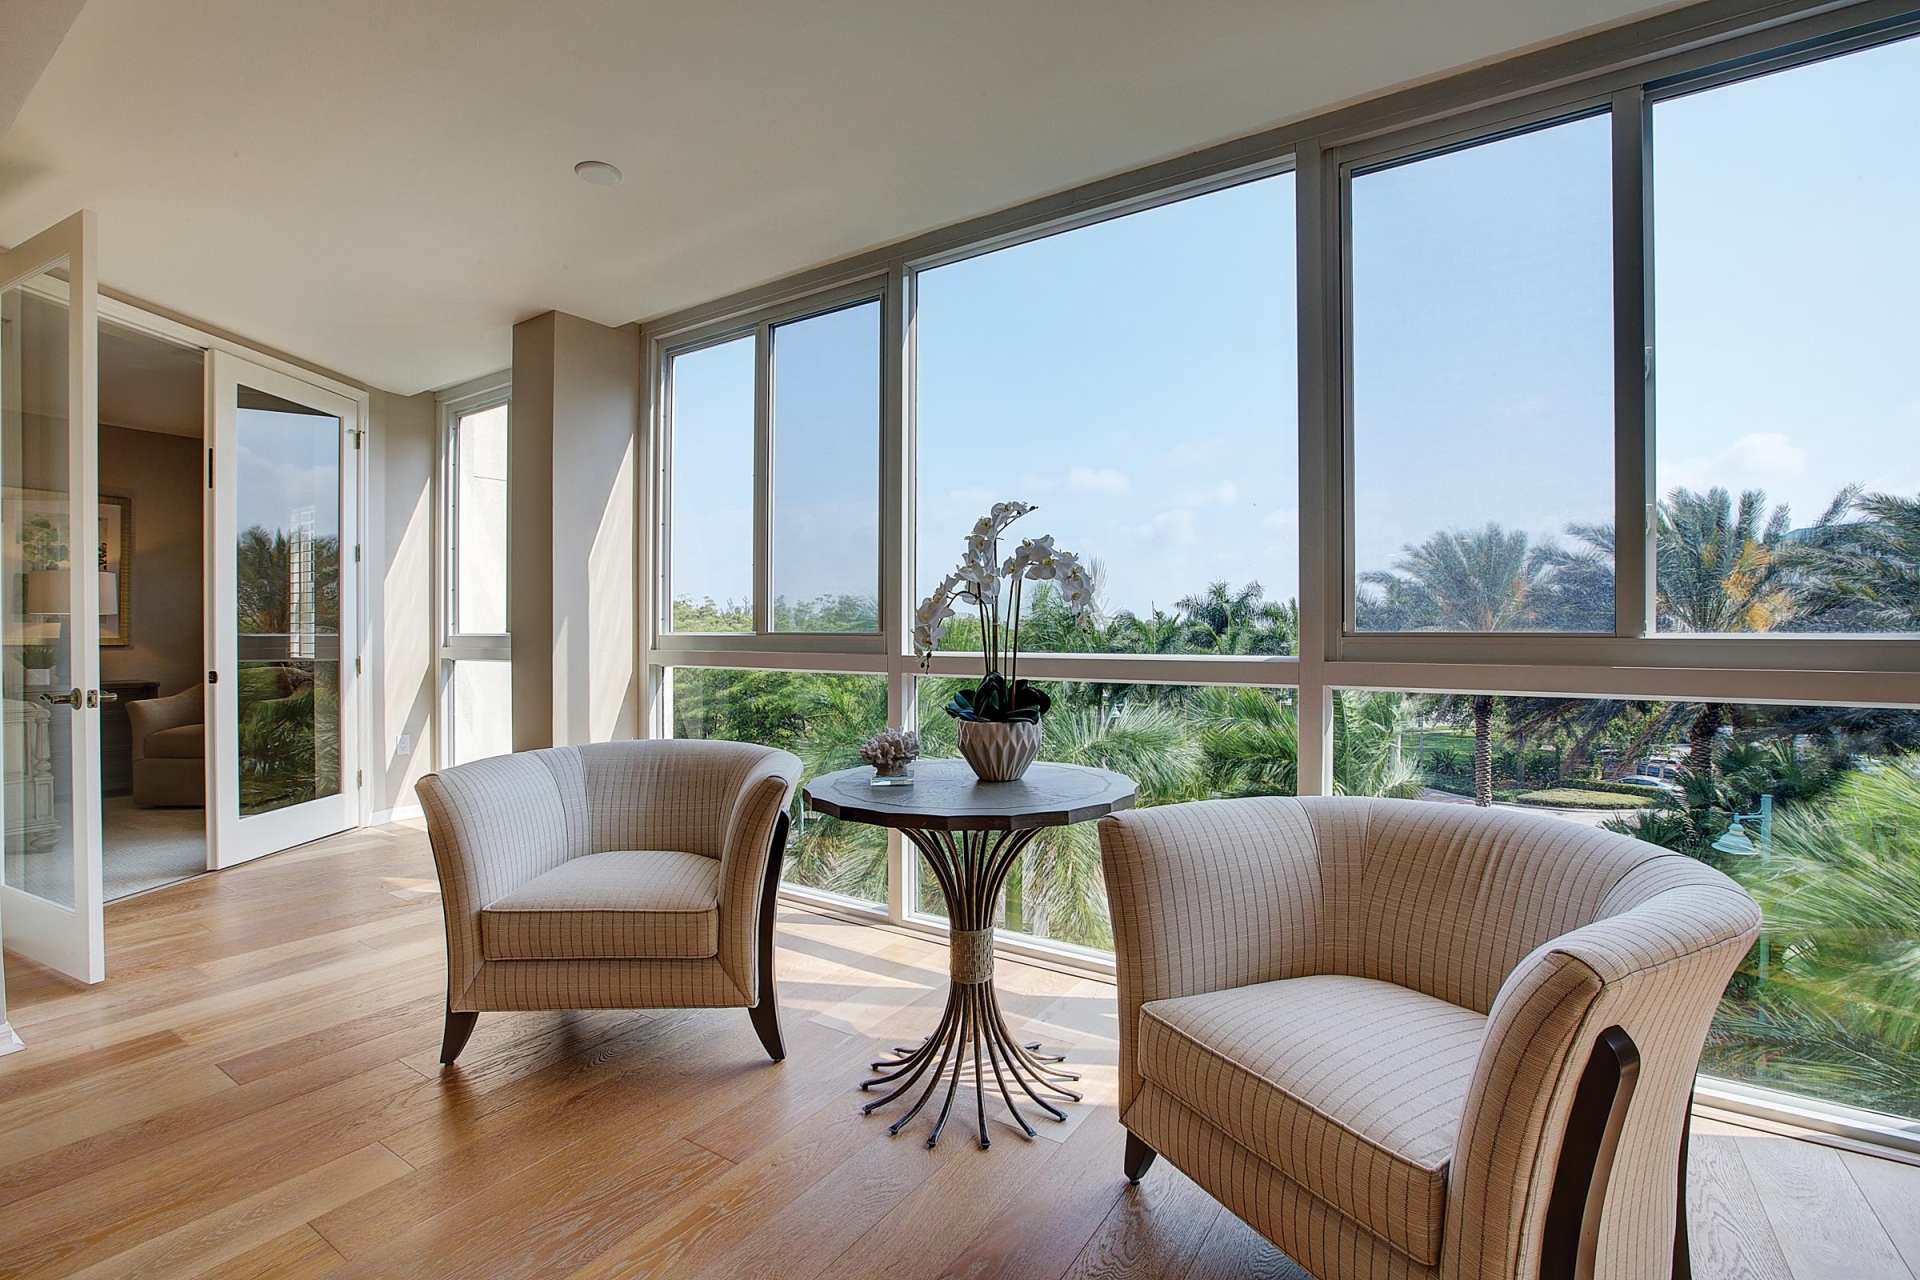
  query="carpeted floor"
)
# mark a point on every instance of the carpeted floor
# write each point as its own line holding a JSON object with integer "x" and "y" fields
{"x": 146, "y": 848}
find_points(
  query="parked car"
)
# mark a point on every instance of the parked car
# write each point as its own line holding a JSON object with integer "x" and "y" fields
{"x": 1650, "y": 782}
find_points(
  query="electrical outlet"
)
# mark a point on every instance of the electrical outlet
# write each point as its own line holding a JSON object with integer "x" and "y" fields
{"x": 405, "y": 745}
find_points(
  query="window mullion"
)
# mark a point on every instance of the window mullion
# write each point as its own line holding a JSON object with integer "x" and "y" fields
{"x": 763, "y": 480}
{"x": 1633, "y": 425}
{"x": 1324, "y": 587}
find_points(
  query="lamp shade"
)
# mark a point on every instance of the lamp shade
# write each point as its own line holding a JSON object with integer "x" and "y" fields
{"x": 46, "y": 591}
{"x": 109, "y": 595}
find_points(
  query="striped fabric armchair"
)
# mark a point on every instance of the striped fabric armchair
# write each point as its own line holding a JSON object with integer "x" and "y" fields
{"x": 622, "y": 875}
{"x": 1405, "y": 1039}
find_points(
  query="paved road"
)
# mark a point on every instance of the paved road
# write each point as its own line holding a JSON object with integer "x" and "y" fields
{"x": 1585, "y": 817}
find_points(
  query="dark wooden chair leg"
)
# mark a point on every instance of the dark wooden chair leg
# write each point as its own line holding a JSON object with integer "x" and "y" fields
{"x": 766, "y": 1014}
{"x": 459, "y": 1027}
{"x": 1572, "y": 1235}
{"x": 1139, "y": 1158}
{"x": 1682, "y": 1246}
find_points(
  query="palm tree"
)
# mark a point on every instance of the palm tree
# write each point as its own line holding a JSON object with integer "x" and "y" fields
{"x": 1250, "y": 743}
{"x": 1368, "y": 730}
{"x": 1865, "y": 572}
{"x": 1467, "y": 580}
{"x": 1720, "y": 570}
{"x": 1059, "y": 891}
{"x": 1241, "y": 622}
{"x": 1483, "y": 579}
{"x": 1839, "y": 1011}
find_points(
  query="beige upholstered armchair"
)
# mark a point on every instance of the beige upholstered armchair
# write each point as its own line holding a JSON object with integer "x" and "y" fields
{"x": 1405, "y": 1039}
{"x": 623, "y": 875}
{"x": 170, "y": 748}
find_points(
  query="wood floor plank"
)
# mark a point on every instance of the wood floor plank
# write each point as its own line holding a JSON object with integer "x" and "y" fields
{"x": 1728, "y": 1229}
{"x": 256, "y": 1092}
{"x": 1824, "y": 1225}
{"x": 1040, "y": 1237}
{"x": 214, "y": 1238}
{"x": 1235, "y": 1251}
{"x": 1156, "y": 1229}
{"x": 1892, "y": 1189}
{"x": 298, "y": 1254}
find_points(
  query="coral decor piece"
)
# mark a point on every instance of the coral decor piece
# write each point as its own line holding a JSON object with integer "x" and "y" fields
{"x": 892, "y": 752}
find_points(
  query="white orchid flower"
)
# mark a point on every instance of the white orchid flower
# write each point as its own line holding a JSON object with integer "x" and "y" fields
{"x": 1005, "y": 513}
{"x": 930, "y": 619}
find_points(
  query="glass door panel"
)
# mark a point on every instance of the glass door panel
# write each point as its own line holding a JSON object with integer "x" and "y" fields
{"x": 50, "y": 885}
{"x": 283, "y": 486}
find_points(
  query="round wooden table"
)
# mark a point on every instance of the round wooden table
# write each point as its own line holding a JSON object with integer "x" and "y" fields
{"x": 970, "y": 833}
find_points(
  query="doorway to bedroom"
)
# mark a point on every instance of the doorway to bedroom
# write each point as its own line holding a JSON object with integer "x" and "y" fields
{"x": 152, "y": 556}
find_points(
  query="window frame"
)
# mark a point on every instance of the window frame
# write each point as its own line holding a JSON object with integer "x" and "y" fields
{"x": 451, "y": 646}
{"x": 1621, "y": 71}
{"x": 661, "y": 349}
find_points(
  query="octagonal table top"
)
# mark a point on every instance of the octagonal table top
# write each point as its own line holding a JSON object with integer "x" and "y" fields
{"x": 946, "y": 796}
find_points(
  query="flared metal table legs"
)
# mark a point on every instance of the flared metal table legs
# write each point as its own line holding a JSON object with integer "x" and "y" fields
{"x": 971, "y": 867}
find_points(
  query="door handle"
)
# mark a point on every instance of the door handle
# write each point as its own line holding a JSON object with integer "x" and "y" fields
{"x": 95, "y": 697}
{"x": 74, "y": 699}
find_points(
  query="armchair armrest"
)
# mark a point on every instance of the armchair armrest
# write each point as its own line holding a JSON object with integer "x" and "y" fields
{"x": 1657, "y": 970}
{"x": 763, "y": 796}
{"x": 1205, "y": 897}
{"x": 494, "y": 825}
{"x": 151, "y": 715}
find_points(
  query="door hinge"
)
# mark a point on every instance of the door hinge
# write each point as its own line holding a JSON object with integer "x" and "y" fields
{"x": 356, "y": 666}
{"x": 359, "y": 777}
{"x": 358, "y": 432}
{"x": 209, "y": 468}
{"x": 356, "y": 553}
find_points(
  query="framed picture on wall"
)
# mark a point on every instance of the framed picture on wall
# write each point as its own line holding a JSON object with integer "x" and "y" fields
{"x": 39, "y": 540}
{"x": 115, "y": 549}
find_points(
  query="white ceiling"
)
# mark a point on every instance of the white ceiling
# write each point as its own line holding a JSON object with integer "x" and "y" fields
{"x": 385, "y": 188}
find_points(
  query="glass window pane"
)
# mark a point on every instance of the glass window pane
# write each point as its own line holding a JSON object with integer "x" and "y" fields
{"x": 1809, "y": 808}
{"x": 288, "y": 589}
{"x": 826, "y": 472}
{"x": 482, "y": 710}
{"x": 822, "y": 717}
{"x": 1178, "y": 742}
{"x": 1136, "y": 379}
{"x": 43, "y": 534}
{"x": 1785, "y": 272}
{"x": 711, "y": 434}
{"x": 1483, "y": 387}
{"x": 480, "y": 522}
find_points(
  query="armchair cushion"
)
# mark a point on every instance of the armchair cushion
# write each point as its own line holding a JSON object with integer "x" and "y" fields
{"x": 182, "y": 742}
{"x": 625, "y": 905}
{"x": 1349, "y": 1086}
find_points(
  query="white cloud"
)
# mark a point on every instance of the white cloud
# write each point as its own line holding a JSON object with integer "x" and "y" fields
{"x": 1755, "y": 460}
{"x": 1176, "y": 527}
{"x": 1033, "y": 486}
{"x": 1223, "y": 494}
{"x": 1195, "y": 453}
{"x": 1104, "y": 480}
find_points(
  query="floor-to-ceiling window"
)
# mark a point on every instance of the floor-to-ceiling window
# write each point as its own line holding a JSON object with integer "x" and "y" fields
{"x": 1560, "y": 453}
{"x": 476, "y": 668}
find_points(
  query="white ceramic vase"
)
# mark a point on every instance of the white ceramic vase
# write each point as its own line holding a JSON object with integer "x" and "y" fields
{"x": 999, "y": 750}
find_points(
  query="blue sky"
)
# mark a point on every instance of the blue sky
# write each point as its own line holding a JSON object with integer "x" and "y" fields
{"x": 1136, "y": 378}
{"x": 288, "y": 462}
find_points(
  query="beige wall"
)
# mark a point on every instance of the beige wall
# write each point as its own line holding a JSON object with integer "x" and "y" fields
{"x": 162, "y": 474}
{"x": 399, "y": 564}
{"x": 572, "y": 605}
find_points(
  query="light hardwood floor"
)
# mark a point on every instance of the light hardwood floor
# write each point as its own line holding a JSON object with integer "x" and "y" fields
{"x": 255, "y": 1093}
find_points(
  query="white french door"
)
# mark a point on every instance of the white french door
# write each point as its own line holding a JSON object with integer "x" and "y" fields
{"x": 50, "y": 887}
{"x": 282, "y": 628}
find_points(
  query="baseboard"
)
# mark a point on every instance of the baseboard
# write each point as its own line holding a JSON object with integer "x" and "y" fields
{"x": 399, "y": 813}
{"x": 10, "y": 1041}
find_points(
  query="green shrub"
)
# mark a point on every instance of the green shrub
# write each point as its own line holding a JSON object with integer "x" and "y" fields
{"x": 1582, "y": 798}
